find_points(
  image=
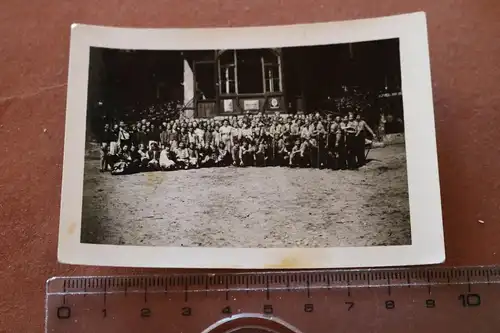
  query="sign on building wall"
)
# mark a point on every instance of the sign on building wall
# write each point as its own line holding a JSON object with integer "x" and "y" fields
{"x": 251, "y": 105}
{"x": 274, "y": 103}
{"x": 228, "y": 105}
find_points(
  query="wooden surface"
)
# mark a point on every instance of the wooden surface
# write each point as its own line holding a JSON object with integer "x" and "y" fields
{"x": 34, "y": 41}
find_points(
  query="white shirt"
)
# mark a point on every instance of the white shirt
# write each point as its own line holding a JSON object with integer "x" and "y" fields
{"x": 225, "y": 132}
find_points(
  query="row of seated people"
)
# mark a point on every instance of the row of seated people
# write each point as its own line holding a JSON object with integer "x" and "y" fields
{"x": 297, "y": 153}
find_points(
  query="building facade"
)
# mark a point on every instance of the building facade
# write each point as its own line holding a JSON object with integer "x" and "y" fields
{"x": 232, "y": 82}
{"x": 210, "y": 83}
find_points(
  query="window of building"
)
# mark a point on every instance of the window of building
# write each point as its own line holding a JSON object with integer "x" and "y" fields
{"x": 271, "y": 71}
{"x": 249, "y": 72}
{"x": 272, "y": 77}
{"x": 227, "y": 73}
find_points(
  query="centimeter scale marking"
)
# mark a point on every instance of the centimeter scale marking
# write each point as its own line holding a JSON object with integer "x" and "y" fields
{"x": 226, "y": 296}
{"x": 272, "y": 280}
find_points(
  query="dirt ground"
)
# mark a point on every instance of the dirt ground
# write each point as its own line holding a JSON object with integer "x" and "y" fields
{"x": 251, "y": 207}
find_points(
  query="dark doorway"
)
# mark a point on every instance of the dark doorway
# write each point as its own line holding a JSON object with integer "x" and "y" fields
{"x": 205, "y": 80}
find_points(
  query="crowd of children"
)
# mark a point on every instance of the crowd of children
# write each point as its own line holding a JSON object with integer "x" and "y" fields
{"x": 334, "y": 142}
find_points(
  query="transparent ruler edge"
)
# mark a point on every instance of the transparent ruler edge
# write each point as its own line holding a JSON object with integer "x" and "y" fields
{"x": 269, "y": 281}
{"x": 274, "y": 280}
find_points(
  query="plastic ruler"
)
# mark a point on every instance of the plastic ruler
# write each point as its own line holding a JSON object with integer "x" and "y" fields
{"x": 379, "y": 300}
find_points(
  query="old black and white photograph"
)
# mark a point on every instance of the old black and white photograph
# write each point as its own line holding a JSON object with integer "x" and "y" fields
{"x": 260, "y": 147}
{"x": 282, "y": 147}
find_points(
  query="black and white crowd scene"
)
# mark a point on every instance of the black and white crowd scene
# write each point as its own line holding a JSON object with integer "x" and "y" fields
{"x": 329, "y": 141}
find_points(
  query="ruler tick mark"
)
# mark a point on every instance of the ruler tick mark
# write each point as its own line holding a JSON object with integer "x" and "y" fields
{"x": 348, "y": 286}
{"x": 64, "y": 289}
{"x": 267, "y": 288}
{"x": 428, "y": 283}
{"x": 104, "y": 296}
{"x": 227, "y": 290}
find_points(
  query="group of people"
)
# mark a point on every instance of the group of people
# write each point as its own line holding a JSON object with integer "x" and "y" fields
{"x": 334, "y": 142}
{"x": 135, "y": 113}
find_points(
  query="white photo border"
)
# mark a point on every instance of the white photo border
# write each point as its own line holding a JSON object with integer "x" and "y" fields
{"x": 422, "y": 166}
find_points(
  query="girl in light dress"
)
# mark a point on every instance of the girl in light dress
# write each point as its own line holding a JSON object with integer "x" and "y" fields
{"x": 154, "y": 157}
{"x": 199, "y": 131}
{"x": 167, "y": 159}
{"x": 225, "y": 135}
{"x": 305, "y": 132}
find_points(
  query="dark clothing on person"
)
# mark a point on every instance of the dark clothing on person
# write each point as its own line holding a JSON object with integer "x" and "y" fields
{"x": 154, "y": 135}
{"x": 246, "y": 157}
{"x": 142, "y": 138}
{"x": 124, "y": 137}
{"x": 184, "y": 137}
{"x": 107, "y": 136}
{"x": 351, "y": 145}
{"x": 314, "y": 155}
{"x": 208, "y": 137}
{"x": 154, "y": 155}
{"x": 123, "y": 164}
{"x": 172, "y": 136}
{"x": 164, "y": 137}
{"x": 360, "y": 149}
{"x": 113, "y": 135}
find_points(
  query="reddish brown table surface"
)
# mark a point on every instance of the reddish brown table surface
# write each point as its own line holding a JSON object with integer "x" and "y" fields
{"x": 34, "y": 41}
